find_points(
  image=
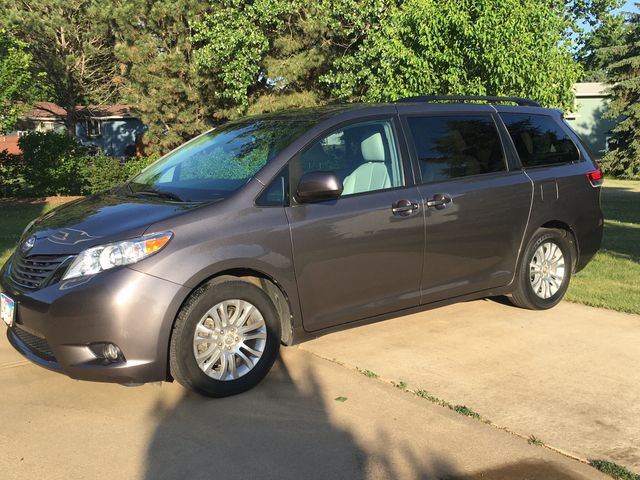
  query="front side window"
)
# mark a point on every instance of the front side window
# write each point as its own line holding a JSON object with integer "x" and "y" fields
{"x": 218, "y": 163}
{"x": 456, "y": 146}
{"x": 539, "y": 140}
{"x": 363, "y": 155}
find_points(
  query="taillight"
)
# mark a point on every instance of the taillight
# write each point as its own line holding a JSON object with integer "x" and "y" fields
{"x": 596, "y": 177}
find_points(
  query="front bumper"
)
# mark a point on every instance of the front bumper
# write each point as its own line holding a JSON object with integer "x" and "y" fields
{"x": 55, "y": 326}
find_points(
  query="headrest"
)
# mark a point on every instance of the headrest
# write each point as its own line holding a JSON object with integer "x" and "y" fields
{"x": 372, "y": 148}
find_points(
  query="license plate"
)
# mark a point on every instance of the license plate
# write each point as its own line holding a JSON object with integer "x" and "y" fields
{"x": 7, "y": 309}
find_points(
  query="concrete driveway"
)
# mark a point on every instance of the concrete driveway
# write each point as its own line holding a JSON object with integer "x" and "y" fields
{"x": 570, "y": 376}
{"x": 290, "y": 427}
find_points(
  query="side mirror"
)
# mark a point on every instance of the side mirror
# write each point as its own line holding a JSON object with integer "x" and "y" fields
{"x": 318, "y": 186}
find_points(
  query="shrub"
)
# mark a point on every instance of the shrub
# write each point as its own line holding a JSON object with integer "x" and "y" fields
{"x": 12, "y": 175}
{"x": 53, "y": 164}
{"x": 102, "y": 173}
{"x": 134, "y": 165}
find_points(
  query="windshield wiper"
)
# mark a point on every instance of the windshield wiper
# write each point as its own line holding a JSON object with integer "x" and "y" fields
{"x": 159, "y": 194}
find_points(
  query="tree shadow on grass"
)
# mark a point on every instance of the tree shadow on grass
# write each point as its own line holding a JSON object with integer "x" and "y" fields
{"x": 621, "y": 204}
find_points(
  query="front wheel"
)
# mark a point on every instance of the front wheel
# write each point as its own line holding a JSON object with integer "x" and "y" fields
{"x": 545, "y": 270}
{"x": 225, "y": 339}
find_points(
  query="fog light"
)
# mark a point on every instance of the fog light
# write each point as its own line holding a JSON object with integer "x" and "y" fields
{"x": 111, "y": 352}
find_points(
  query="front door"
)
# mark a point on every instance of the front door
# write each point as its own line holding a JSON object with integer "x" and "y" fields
{"x": 476, "y": 210}
{"x": 360, "y": 255}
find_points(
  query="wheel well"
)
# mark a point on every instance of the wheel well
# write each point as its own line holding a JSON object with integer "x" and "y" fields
{"x": 271, "y": 287}
{"x": 559, "y": 225}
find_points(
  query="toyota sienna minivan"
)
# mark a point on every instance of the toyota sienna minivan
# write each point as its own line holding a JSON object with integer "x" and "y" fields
{"x": 275, "y": 229}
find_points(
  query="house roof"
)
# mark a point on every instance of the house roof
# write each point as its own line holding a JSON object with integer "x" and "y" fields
{"x": 50, "y": 111}
{"x": 46, "y": 111}
{"x": 106, "y": 111}
{"x": 591, "y": 89}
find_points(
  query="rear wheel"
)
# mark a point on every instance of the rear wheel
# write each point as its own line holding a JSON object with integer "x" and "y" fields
{"x": 544, "y": 271}
{"x": 225, "y": 339}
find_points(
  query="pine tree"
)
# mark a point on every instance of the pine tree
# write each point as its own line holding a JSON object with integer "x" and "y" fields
{"x": 71, "y": 42}
{"x": 623, "y": 158}
{"x": 158, "y": 77}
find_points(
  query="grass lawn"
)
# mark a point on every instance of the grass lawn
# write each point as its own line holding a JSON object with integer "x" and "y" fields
{"x": 611, "y": 280}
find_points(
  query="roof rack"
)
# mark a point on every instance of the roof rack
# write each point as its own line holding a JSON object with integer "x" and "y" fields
{"x": 523, "y": 102}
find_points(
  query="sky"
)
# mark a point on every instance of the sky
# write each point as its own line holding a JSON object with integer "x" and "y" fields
{"x": 630, "y": 6}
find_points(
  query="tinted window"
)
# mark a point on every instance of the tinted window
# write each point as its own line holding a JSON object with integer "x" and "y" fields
{"x": 456, "y": 146}
{"x": 218, "y": 163}
{"x": 363, "y": 155}
{"x": 539, "y": 140}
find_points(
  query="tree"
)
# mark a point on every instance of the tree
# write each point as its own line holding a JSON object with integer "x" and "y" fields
{"x": 159, "y": 78}
{"x": 623, "y": 158}
{"x": 595, "y": 53}
{"x": 71, "y": 41}
{"x": 18, "y": 84}
{"x": 264, "y": 55}
{"x": 494, "y": 47}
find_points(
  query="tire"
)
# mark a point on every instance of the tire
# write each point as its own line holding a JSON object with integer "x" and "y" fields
{"x": 532, "y": 291}
{"x": 227, "y": 372}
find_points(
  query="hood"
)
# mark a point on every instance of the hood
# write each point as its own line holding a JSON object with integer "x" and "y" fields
{"x": 95, "y": 220}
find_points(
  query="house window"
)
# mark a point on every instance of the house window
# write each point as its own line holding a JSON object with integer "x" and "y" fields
{"x": 94, "y": 128}
{"x": 607, "y": 143}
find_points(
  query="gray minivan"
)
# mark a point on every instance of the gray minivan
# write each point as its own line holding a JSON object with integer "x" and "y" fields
{"x": 275, "y": 229}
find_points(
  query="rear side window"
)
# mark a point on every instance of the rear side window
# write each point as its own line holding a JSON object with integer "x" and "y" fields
{"x": 539, "y": 140}
{"x": 456, "y": 146}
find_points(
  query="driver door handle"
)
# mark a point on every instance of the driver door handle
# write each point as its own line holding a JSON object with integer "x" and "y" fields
{"x": 439, "y": 201}
{"x": 403, "y": 208}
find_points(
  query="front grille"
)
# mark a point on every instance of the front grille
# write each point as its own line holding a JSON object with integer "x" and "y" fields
{"x": 38, "y": 346}
{"x": 33, "y": 272}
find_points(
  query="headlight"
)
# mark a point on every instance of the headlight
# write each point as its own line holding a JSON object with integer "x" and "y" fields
{"x": 104, "y": 257}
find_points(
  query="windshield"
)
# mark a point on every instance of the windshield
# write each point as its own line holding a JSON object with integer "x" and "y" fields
{"x": 218, "y": 163}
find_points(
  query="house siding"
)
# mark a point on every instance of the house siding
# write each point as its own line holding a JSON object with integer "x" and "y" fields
{"x": 588, "y": 119}
{"x": 116, "y": 135}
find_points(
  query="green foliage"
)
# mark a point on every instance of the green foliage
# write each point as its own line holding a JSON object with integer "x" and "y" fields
{"x": 102, "y": 172}
{"x": 368, "y": 373}
{"x": 158, "y": 76}
{"x": 265, "y": 55}
{"x": 466, "y": 411}
{"x": 623, "y": 158}
{"x": 12, "y": 175}
{"x": 53, "y": 163}
{"x": 71, "y": 41}
{"x": 533, "y": 440}
{"x": 614, "y": 470}
{"x": 496, "y": 47}
{"x": 18, "y": 84}
{"x": 595, "y": 55}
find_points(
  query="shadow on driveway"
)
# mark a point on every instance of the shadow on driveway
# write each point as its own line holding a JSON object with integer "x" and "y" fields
{"x": 283, "y": 430}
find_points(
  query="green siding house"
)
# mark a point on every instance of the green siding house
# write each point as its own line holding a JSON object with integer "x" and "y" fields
{"x": 587, "y": 118}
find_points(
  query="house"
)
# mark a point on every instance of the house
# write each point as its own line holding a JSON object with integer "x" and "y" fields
{"x": 588, "y": 120}
{"x": 44, "y": 117}
{"x": 112, "y": 129}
